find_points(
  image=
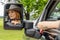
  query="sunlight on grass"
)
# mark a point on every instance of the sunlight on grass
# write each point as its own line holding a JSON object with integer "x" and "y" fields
{"x": 10, "y": 34}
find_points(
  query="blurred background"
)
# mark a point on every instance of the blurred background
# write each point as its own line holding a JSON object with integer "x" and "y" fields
{"x": 32, "y": 8}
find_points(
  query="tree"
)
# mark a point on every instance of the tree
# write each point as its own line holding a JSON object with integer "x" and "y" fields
{"x": 33, "y": 7}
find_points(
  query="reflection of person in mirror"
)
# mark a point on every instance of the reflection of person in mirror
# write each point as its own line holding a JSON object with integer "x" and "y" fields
{"x": 14, "y": 14}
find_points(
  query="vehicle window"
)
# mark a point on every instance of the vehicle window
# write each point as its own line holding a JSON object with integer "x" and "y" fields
{"x": 55, "y": 15}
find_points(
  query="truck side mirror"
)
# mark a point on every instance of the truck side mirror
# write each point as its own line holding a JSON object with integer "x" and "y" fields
{"x": 13, "y": 16}
{"x": 13, "y": 20}
{"x": 30, "y": 31}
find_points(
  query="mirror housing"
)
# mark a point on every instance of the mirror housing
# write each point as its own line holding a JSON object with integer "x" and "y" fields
{"x": 33, "y": 33}
{"x": 8, "y": 16}
{"x": 30, "y": 31}
{"x": 28, "y": 24}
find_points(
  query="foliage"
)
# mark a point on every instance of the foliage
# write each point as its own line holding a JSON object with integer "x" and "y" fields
{"x": 58, "y": 6}
{"x": 33, "y": 7}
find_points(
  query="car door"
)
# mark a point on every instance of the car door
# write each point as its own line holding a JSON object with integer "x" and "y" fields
{"x": 47, "y": 10}
{"x": 51, "y": 12}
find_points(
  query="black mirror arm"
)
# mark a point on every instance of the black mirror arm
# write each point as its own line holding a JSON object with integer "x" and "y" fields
{"x": 30, "y": 31}
{"x": 33, "y": 33}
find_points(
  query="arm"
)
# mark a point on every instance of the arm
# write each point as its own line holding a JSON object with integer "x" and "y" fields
{"x": 48, "y": 25}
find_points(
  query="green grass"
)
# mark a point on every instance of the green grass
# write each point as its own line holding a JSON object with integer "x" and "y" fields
{"x": 10, "y": 34}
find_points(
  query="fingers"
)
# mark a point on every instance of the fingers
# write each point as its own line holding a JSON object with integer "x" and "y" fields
{"x": 51, "y": 38}
{"x": 48, "y": 36}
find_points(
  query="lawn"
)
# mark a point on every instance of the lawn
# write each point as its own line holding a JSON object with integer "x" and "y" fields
{"x": 10, "y": 34}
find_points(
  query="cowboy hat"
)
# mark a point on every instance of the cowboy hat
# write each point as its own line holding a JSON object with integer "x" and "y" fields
{"x": 14, "y": 7}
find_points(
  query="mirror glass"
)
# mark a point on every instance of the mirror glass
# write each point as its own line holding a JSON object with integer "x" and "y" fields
{"x": 13, "y": 16}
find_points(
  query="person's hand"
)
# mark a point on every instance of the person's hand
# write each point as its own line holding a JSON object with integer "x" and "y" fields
{"x": 48, "y": 25}
{"x": 41, "y": 25}
{"x": 50, "y": 36}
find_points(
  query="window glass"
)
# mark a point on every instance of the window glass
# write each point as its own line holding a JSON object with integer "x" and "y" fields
{"x": 55, "y": 15}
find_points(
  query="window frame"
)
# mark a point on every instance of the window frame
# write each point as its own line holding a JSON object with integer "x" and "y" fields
{"x": 51, "y": 13}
